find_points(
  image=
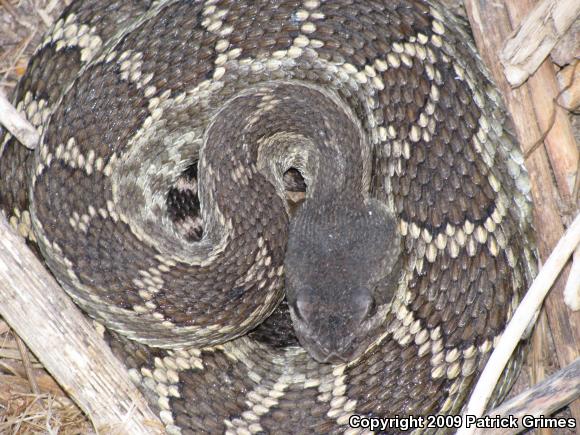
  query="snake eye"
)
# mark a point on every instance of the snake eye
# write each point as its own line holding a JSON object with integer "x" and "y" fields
{"x": 363, "y": 304}
{"x": 294, "y": 309}
{"x": 372, "y": 309}
{"x": 303, "y": 303}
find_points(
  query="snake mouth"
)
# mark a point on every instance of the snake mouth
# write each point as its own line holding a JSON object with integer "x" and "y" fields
{"x": 327, "y": 356}
{"x": 333, "y": 336}
{"x": 327, "y": 350}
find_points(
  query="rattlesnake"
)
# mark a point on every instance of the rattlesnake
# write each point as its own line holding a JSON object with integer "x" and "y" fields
{"x": 158, "y": 198}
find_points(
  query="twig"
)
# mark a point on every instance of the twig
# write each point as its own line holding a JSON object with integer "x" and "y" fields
{"x": 27, "y": 364}
{"x": 17, "y": 54}
{"x": 564, "y": 90}
{"x": 576, "y": 190}
{"x": 540, "y": 355}
{"x": 542, "y": 399}
{"x": 521, "y": 319}
{"x": 569, "y": 81}
{"x": 17, "y": 125}
{"x": 536, "y": 37}
{"x": 572, "y": 290}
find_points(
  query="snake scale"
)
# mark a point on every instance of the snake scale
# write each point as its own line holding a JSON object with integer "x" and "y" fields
{"x": 285, "y": 212}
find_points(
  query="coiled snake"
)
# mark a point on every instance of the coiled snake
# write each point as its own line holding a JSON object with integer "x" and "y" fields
{"x": 173, "y": 133}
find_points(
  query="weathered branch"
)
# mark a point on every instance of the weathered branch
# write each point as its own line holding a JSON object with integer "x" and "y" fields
{"x": 17, "y": 125}
{"x": 66, "y": 343}
{"x": 542, "y": 399}
{"x": 572, "y": 290}
{"x": 569, "y": 81}
{"x": 537, "y": 35}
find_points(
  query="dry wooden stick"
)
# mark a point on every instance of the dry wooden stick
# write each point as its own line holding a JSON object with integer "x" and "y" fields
{"x": 528, "y": 106}
{"x": 567, "y": 50}
{"x": 554, "y": 123}
{"x": 569, "y": 81}
{"x": 559, "y": 138}
{"x": 572, "y": 290}
{"x": 17, "y": 125}
{"x": 520, "y": 321}
{"x": 536, "y": 36}
{"x": 35, "y": 306}
{"x": 542, "y": 399}
{"x": 539, "y": 355}
{"x": 27, "y": 365}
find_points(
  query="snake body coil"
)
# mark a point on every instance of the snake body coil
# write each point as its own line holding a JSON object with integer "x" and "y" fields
{"x": 158, "y": 197}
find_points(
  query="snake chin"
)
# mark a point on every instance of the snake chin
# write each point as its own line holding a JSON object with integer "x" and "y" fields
{"x": 341, "y": 274}
{"x": 328, "y": 338}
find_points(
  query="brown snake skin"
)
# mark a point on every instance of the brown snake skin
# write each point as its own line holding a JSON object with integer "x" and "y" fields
{"x": 173, "y": 134}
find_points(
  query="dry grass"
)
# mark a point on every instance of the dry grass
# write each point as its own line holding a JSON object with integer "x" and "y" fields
{"x": 31, "y": 402}
{"x": 22, "y": 24}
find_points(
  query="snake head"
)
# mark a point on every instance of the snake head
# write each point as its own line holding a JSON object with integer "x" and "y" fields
{"x": 342, "y": 268}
